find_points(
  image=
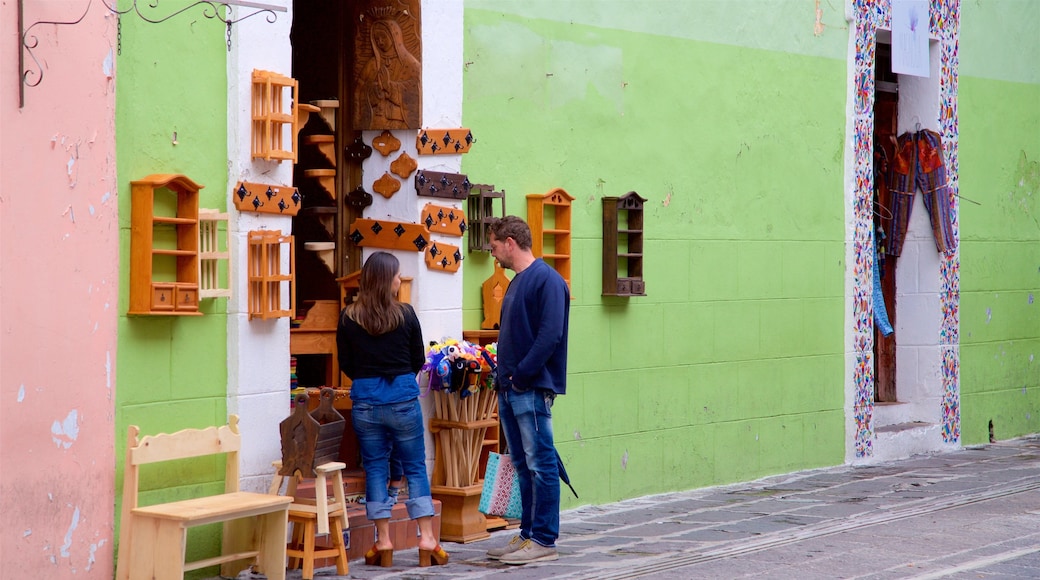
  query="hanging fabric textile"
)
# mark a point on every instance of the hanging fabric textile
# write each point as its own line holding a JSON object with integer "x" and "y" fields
{"x": 880, "y": 311}
{"x": 919, "y": 165}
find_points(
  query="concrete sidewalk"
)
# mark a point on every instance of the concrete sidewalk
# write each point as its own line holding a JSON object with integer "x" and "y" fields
{"x": 973, "y": 513}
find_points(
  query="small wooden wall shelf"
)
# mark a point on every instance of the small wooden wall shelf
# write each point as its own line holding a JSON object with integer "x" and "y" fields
{"x": 481, "y": 208}
{"x": 443, "y": 185}
{"x": 325, "y": 144}
{"x": 266, "y": 278}
{"x": 266, "y": 198}
{"x": 388, "y": 234}
{"x": 440, "y": 219}
{"x": 444, "y": 141}
{"x": 326, "y": 178}
{"x": 164, "y": 245}
{"x": 212, "y": 252}
{"x": 549, "y": 216}
{"x": 275, "y": 116}
{"x": 623, "y": 245}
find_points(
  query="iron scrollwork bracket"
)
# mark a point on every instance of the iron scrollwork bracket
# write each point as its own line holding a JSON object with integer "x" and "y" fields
{"x": 210, "y": 9}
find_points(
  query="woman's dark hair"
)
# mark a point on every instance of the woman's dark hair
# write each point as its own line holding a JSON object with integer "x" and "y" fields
{"x": 376, "y": 309}
{"x": 512, "y": 227}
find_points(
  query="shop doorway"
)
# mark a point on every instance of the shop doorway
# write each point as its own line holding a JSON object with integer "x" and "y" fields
{"x": 886, "y": 112}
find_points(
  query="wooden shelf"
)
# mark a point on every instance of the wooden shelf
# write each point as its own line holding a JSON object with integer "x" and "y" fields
{"x": 623, "y": 246}
{"x": 549, "y": 216}
{"x": 153, "y": 200}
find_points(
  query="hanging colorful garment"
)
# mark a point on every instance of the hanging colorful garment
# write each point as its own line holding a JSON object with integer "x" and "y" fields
{"x": 880, "y": 312}
{"x": 919, "y": 165}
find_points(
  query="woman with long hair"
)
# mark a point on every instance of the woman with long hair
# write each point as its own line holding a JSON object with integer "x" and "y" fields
{"x": 380, "y": 347}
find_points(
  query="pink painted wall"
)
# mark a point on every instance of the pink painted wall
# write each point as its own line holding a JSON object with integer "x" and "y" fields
{"x": 59, "y": 268}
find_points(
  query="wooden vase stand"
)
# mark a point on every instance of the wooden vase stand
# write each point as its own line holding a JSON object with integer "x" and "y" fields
{"x": 461, "y": 521}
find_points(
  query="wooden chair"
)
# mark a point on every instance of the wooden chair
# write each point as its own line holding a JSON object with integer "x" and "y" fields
{"x": 311, "y": 517}
{"x": 310, "y": 443}
{"x": 153, "y": 538}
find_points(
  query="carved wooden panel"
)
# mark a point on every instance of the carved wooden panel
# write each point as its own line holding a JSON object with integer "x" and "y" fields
{"x": 386, "y": 186}
{"x": 444, "y": 185}
{"x": 441, "y": 219}
{"x": 441, "y": 256}
{"x": 389, "y": 234}
{"x": 443, "y": 141}
{"x": 264, "y": 198}
{"x": 387, "y": 64}
{"x": 492, "y": 292}
{"x": 310, "y": 439}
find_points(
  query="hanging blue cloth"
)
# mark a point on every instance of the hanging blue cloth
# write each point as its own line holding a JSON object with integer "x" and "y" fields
{"x": 880, "y": 312}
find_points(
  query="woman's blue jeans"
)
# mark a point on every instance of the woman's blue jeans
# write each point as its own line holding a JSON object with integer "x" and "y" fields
{"x": 397, "y": 426}
{"x": 526, "y": 419}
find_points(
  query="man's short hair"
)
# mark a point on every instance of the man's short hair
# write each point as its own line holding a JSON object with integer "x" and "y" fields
{"x": 512, "y": 227}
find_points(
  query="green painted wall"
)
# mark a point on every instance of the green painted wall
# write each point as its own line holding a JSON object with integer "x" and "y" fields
{"x": 171, "y": 103}
{"x": 731, "y": 367}
{"x": 1000, "y": 237}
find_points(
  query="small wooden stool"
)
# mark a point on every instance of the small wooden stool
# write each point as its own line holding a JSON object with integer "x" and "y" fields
{"x": 302, "y": 547}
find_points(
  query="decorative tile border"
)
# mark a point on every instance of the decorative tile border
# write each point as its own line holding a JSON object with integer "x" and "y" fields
{"x": 870, "y": 15}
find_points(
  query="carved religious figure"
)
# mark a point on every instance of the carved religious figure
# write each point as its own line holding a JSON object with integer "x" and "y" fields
{"x": 387, "y": 69}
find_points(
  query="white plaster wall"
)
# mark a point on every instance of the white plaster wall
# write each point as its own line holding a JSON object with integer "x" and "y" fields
{"x": 258, "y": 350}
{"x": 436, "y": 295}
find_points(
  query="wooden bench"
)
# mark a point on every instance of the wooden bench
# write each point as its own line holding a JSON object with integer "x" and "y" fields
{"x": 153, "y": 538}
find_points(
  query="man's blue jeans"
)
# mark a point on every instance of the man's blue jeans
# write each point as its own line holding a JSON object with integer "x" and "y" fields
{"x": 526, "y": 419}
{"x": 398, "y": 426}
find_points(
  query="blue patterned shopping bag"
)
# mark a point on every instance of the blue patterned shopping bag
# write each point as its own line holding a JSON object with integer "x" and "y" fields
{"x": 501, "y": 493}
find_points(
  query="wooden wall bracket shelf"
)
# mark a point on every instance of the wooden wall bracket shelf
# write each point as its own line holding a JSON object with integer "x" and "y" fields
{"x": 266, "y": 277}
{"x": 328, "y": 109}
{"x": 444, "y": 141}
{"x": 481, "y": 206}
{"x": 211, "y": 253}
{"x": 443, "y": 185}
{"x": 446, "y": 220}
{"x": 266, "y": 198}
{"x": 369, "y": 233}
{"x": 326, "y": 178}
{"x": 274, "y": 113}
{"x": 325, "y": 144}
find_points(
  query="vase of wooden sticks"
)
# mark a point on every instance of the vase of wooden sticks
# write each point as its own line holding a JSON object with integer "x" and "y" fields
{"x": 465, "y": 410}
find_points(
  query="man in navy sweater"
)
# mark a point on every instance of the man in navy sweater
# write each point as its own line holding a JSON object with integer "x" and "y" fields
{"x": 532, "y": 370}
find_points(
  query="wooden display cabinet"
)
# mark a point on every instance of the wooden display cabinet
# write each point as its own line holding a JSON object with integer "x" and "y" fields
{"x": 623, "y": 245}
{"x": 164, "y": 245}
{"x": 549, "y": 216}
